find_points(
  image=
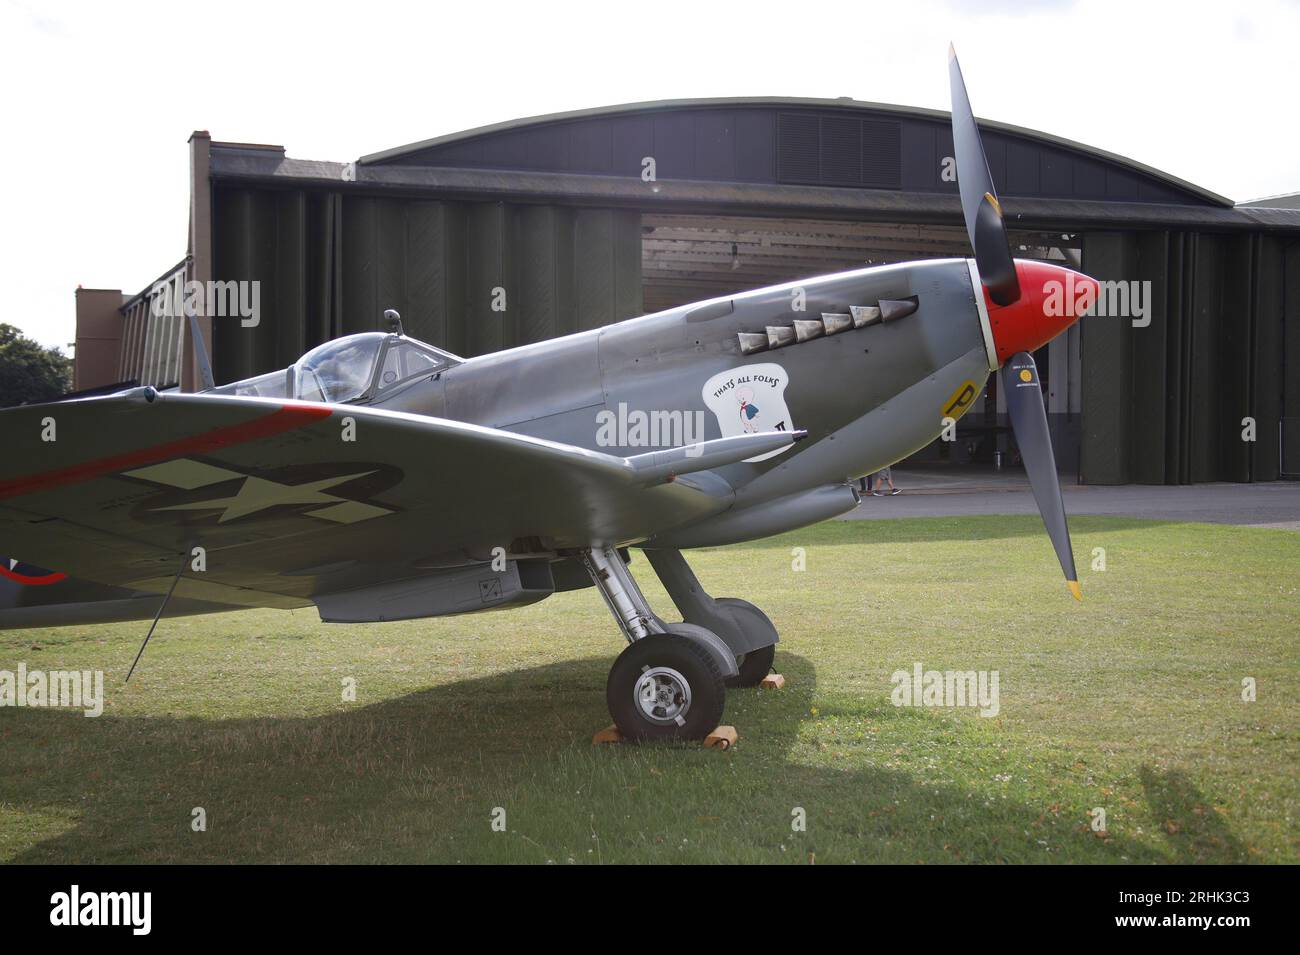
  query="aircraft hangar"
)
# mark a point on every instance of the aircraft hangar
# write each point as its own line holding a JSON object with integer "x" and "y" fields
{"x": 538, "y": 227}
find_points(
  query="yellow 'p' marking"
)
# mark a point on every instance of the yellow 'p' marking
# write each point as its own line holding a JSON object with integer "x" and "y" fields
{"x": 961, "y": 400}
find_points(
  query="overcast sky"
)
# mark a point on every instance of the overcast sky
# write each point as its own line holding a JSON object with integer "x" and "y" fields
{"x": 100, "y": 98}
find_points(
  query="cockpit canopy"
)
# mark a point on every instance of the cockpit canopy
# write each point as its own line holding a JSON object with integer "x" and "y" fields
{"x": 355, "y": 368}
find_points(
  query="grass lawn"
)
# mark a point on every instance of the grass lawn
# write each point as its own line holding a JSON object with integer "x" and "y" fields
{"x": 1130, "y": 702}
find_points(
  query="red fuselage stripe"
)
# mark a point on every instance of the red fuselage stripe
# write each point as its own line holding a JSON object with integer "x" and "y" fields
{"x": 29, "y": 580}
{"x": 277, "y": 422}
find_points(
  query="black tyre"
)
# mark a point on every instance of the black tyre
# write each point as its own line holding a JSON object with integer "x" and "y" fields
{"x": 753, "y": 666}
{"x": 665, "y": 686}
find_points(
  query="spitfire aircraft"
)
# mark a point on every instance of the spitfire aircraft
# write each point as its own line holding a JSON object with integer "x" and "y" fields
{"x": 380, "y": 478}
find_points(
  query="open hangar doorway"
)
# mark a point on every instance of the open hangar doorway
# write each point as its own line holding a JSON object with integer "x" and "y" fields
{"x": 688, "y": 258}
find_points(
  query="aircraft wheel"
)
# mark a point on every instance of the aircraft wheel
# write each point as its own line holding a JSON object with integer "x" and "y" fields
{"x": 665, "y": 686}
{"x": 753, "y": 666}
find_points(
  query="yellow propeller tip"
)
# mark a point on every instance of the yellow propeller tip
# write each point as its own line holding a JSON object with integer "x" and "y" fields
{"x": 1075, "y": 589}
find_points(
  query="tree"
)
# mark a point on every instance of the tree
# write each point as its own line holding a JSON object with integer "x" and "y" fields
{"x": 29, "y": 372}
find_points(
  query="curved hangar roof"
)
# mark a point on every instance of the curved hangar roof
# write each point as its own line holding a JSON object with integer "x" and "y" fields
{"x": 787, "y": 141}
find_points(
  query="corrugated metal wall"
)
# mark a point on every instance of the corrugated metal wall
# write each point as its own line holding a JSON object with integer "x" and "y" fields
{"x": 1161, "y": 404}
{"x": 329, "y": 265}
{"x": 1164, "y": 404}
{"x": 152, "y": 338}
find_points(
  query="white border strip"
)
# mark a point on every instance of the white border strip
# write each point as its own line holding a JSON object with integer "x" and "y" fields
{"x": 977, "y": 289}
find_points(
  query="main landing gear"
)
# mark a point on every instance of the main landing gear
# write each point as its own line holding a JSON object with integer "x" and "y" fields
{"x": 670, "y": 682}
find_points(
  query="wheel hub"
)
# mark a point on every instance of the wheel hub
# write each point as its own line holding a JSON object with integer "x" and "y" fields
{"x": 663, "y": 695}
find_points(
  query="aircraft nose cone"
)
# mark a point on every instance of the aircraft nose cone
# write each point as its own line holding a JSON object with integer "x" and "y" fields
{"x": 1052, "y": 298}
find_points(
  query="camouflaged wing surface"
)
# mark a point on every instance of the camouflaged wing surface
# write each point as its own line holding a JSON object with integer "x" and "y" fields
{"x": 290, "y": 499}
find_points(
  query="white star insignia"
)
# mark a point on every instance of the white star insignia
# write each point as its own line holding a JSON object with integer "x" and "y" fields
{"x": 257, "y": 494}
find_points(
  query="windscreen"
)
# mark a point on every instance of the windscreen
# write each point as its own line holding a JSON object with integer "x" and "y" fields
{"x": 340, "y": 370}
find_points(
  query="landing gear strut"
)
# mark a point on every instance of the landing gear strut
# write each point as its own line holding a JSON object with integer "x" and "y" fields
{"x": 744, "y": 628}
{"x": 670, "y": 682}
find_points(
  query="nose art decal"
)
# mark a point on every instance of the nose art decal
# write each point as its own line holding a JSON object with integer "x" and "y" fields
{"x": 748, "y": 400}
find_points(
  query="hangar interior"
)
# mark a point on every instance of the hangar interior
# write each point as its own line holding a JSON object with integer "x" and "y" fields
{"x": 565, "y": 214}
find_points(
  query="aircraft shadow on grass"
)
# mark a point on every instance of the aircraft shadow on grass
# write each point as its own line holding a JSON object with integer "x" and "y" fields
{"x": 351, "y": 785}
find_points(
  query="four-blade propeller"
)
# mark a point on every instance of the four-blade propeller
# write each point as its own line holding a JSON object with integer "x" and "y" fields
{"x": 1018, "y": 376}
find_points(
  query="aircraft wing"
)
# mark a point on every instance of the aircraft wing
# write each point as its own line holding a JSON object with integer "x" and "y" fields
{"x": 293, "y": 499}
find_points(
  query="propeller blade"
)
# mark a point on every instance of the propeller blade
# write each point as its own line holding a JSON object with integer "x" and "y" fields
{"x": 1024, "y": 397}
{"x": 979, "y": 201}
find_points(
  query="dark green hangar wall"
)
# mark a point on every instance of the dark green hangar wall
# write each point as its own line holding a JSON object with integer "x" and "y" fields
{"x": 329, "y": 265}
{"x": 554, "y": 211}
{"x": 1173, "y": 401}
